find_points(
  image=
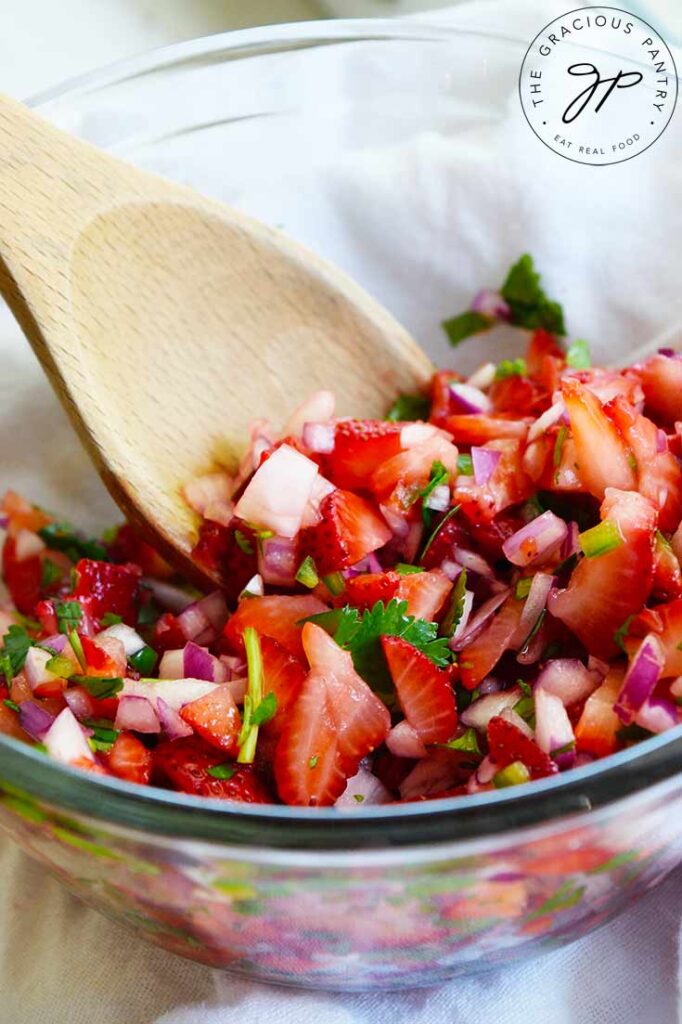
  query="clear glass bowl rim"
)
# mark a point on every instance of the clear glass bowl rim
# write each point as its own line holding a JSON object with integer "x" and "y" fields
{"x": 166, "y": 813}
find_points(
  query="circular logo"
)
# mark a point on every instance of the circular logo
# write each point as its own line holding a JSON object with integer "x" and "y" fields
{"x": 598, "y": 85}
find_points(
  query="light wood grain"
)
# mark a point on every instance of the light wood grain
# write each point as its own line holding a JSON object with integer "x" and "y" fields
{"x": 167, "y": 322}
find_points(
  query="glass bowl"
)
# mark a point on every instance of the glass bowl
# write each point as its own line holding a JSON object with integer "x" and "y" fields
{"x": 364, "y": 140}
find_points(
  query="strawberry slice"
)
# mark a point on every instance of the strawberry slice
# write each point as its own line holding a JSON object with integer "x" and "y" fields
{"x": 475, "y": 428}
{"x": 273, "y": 616}
{"x": 408, "y": 472}
{"x": 335, "y": 722}
{"x": 425, "y": 593}
{"x": 659, "y": 477}
{"x": 216, "y": 719}
{"x": 506, "y": 744}
{"x": 183, "y": 765}
{"x": 596, "y": 729}
{"x": 364, "y": 591}
{"x": 519, "y": 395}
{"x": 600, "y": 450}
{"x": 111, "y": 588}
{"x": 669, "y": 629}
{"x": 129, "y": 759}
{"x": 667, "y": 573}
{"x": 22, "y": 577}
{"x": 349, "y": 529}
{"x": 545, "y": 359}
{"x": 479, "y": 659}
{"x": 231, "y": 551}
{"x": 283, "y": 675}
{"x": 424, "y": 691}
{"x": 605, "y": 590}
{"x": 661, "y": 380}
{"x": 102, "y": 662}
{"x": 359, "y": 447}
{"x": 507, "y": 485}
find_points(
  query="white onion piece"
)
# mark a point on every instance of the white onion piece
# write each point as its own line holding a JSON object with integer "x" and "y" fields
{"x": 483, "y": 775}
{"x": 536, "y": 540}
{"x": 319, "y": 437}
{"x": 34, "y": 668}
{"x": 640, "y": 679}
{"x": 473, "y": 562}
{"x": 199, "y": 663}
{"x": 439, "y": 498}
{"x": 175, "y": 692}
{"x": 470, "y": 399}
{"x": 209, "y": 489}
{"x": 397, "y": 524}
{"x": 277, "y": 494}
{"x": 479, "y": 713}
{"x": 317, "y": 408}
{"x": 511, "y": 716}
{"x": 131, "y": 640}
{"x": 553, "y": 729}
{"x": 171, "y": 598}
{"x": 483, "y": 377}
{"x": 255, "y": 586}
{"x": 491, "y": 304}
{"x": 220, "y": 512}
{"x": 363, "y": 790}
{"x": 403, "y": 741}
{"x": 478, "y": 621}
{"x": 467, "y": 604}
{"x": 597, "y": 667}
{"x": 137, "y": 713}
{"x": 172, "y": 664}
{"x": 320, "y": 489}
{"x": 417, "y": 433}
{"x": 548, "y": 419}
{"x": 568, "y": 679}
{"x": 65, "y": 740}
{"x": 80, "y": 702}
{"x": 171, "y": 723}
{"x": 536, "y": 600}
{"x": 451, "y": 569}
{"x": 27, "y": 544}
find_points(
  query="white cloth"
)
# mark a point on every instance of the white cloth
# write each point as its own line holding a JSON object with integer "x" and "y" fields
{"x": 469, "y": 200}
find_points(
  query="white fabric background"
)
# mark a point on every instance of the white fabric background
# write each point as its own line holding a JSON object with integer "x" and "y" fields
{"x": 59, "y": 961}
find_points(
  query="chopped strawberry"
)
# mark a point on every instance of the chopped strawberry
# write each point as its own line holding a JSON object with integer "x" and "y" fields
{"x": 22, "y": 577}
{"x": 600, "y": 451}
{"x": 168, "y": 634}
{"x": 595, "y": 732}
{"x": 273, "y": 616}
{"x": 104, "y": 660}
{"x": 474, "y": 428}
{"x": 359, "y": 447}
{"x": 667, "y": 573}
{"x": 520, "y": 396}
{"x": 22, "y": 515}
{"x": 183, "y": 765}
{"x": 365, "y": 590}
{"x": 507, "y": 485}
{"x": 479, "y": 659}
{"x": 129, "y": 759}
{"x": 442, "y": 404}
{"x": 661, "y": 379}
{"x": 545, "y": 358}
{"x": 283, "y": 675}
{"x": 506, "y": 744}
{"x": 216, "y": 719}
{"x": 335, "y": 722}
{"x": 349, "y": 529}
{"x": 670, "y": 619}
{"x": 129, "y": 546}
{"x": 659, "y": 477}
{"x": 425, "y": 593}
{"x": 402, "y": 477}
{"x": 231, "y": 552}
{"x": 424, "y": 691}
{"x": 111, "y": 588}
{"x": 605, "y": 590}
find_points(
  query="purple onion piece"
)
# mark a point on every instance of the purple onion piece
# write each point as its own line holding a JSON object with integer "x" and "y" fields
{"x": 34, "y": 720}
{"x": 491, "y": 304}
{"x": 536, "y": 540}
{"x": 485, "y": 462}
{"x": 171, "y": 723}
{"x": 469, "y": 399}
{"x": 198, "y": 663}
{"x": 640, "y": 679}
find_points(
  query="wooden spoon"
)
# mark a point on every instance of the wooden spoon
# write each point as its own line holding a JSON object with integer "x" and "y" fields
{"x": 167, "y": 322}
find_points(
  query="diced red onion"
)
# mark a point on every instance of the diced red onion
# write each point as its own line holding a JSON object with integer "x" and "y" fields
{"x": 669, "y": 353}
{"x": 661, "y": 440}
{"x": 470, "y": 399}
{"x": 656, "y": 714}
{"x": 485, "y": 772}
{"x": 451, "y": 569}
{"x": 640, "y": 679}
{"x": 131, "y": 640}
{"x": 489, "y": 685}
{"x": 170, "y": 721}
{"x": 175, "y": 692}
{"x": 171, "y": 598}
{"x": 491, "y": 304}
{"x": 255, "y": 586}
{"x": 204, "y": 619}
{"x": 34, "y": 719}
{"x": 483, "y": 377}
{"x": 27, "y": 544}
{"x": 535, "y": 603}
{"x": 485, "y": 462}
{"x": 403, "y": 741}
{"x": 460, "y": 628}
{"x": 478, "y": 621}
{"x": 548, "y": 418}
{"x": 472, "y": 562}
{"x": 536, "y": 540}
{"x": 4, "y": 522}
{"x": 397, "y": 524}
{"x": 192, "y": 621}
{"x": 510, "y": 715}
{"x": 80, "y": 702}
{"x": 277, "y": 494}
{"x": 363, "y": 790}
{"x": 137, "y": 713}
{"x": 568, "y": 679}
{"x": 317, "y": 408}
{"x": 553, "y": 729}
{"x": 480, "y": 711}
{"x": 199, "y": 663}
{"x": 65, "y": 740}
{"x": 319, "y": 437}
{"x": 238, "y": 686}
{"x": 571, "y": 544}
{"x": 439, "y": 499}
{"x": 57, "y": 642}
{"x": 209, "y": 489}
{"x": 278, "y": 561}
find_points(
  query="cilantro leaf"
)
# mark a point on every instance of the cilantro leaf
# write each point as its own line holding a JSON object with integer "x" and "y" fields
{"x": 468, "y": 742}
{"x": 409, "y": 407}
{"x": 243, "y": 542}
{"x": 510, "y": 368}
{"x": 99, "y": 687}
{"x": 456, "y": 609}
{"x": 266, "y": 710}
{"x": 69, "y": 614}
{"x": 222, "y": 771}
{"x": 15, "y": 647}
{"x": 51, "y": 573}
{"x": 64, "y": 537}
{"x": 463, "y": 326}
{"x": 530, "y": 307}
{"x": 465, "y": 465}
{"x": 438, "y": 475}
{"x": 622, "y": 632}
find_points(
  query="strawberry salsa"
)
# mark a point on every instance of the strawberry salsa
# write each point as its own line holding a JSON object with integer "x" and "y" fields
{"x": 481, "y": 589}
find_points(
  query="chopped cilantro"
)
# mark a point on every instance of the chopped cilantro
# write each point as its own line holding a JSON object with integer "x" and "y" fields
{"x": 102, "y": 730}
{"x": 99, "y": 687}
{"x": 566, "y": 749}
{"x": 222, "y": 771}
{"x": 144, "y": 660}
{"x": 510, "y": 368}
{"x": 407, "y": 570}
{"x": 69, "y": 614}
{"x": 266, "y": 710}
{"x": 60, "y": 666}
{"x": 465, "y": 465}
{"x": 111, "y": 619}
{"x": 312, "y": 763}
{"x": 463, "y": 326}
{"x": 148, "y": 614}
{"x": 64, "y": 537}
{"x": 523, "y": 588}
{"x": 455, "y": 611}
{"x": 436, "y": 530}
{"x": 438, "y": 475}
{"x": 243, "y": 542}
{"x": 535, "y": 629}
{"x": 77, "y": 648}
{"x": 631, "y": 461}
{"x": 15, "y": 645}
{"x": 51, "y": 573}
{"x": 529, "y": 305}
{"x": 578, "y": 355}
{"x": 622, "y": 632}
{"x": 559, "y": 445}
{"x": 525, "y": 709}
{"x": 248, "y": 737}
{"x": 467, "y": 742}
{"x": 409, "y": 407}
{"x": 307, "y": 573}
{"x": 12, "y": 705}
